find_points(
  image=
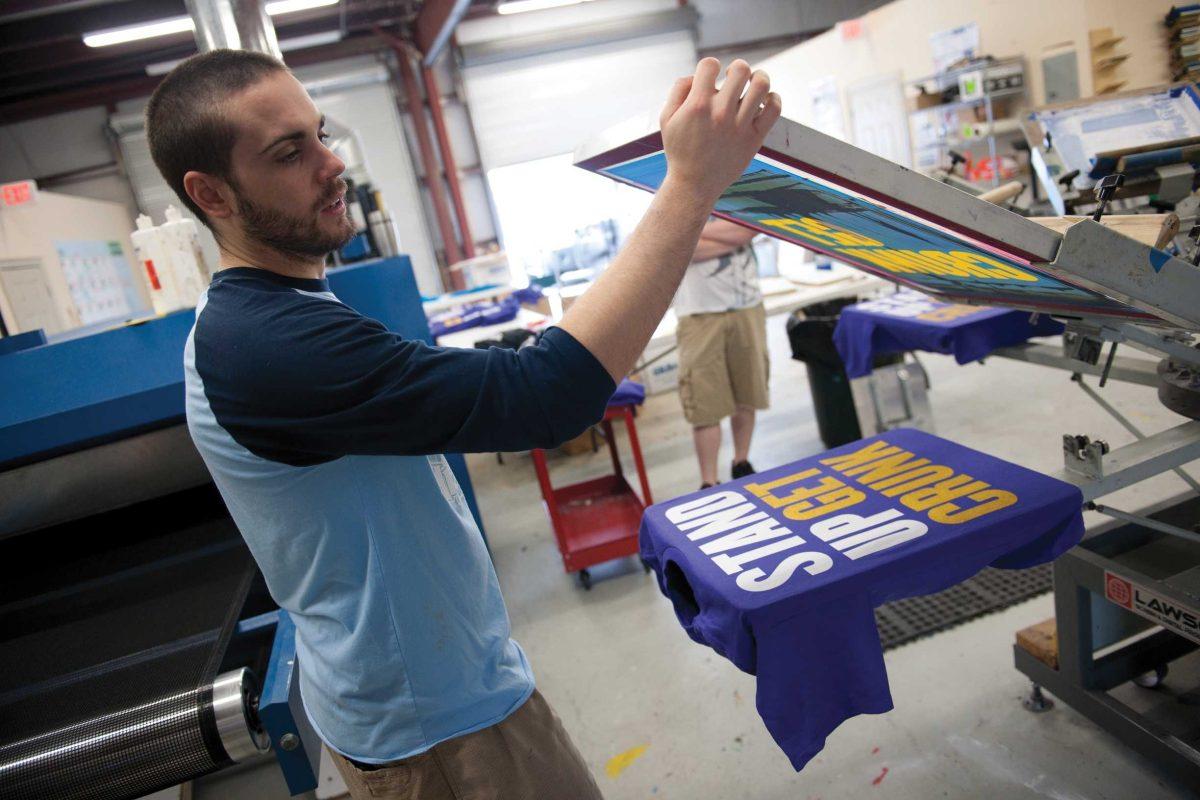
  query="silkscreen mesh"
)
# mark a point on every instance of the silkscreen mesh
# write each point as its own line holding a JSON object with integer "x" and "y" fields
{"x": 111, "y": 633}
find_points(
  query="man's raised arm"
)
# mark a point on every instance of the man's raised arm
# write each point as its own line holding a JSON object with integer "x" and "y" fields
{"x": 709, "y": 136}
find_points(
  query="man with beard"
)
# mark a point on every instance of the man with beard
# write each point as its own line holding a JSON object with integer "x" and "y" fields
{"x": 324, "y": 431}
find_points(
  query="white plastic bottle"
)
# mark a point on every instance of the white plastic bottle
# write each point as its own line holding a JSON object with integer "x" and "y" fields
{"x": 182, "y": 238}
{"x": 383, "y": 230}
{"x": 156, "y": 268}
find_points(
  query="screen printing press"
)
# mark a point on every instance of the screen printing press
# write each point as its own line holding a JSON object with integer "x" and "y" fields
{"x": 1128, "y": 596}
{"x": 1150, "y": 136}
{"x": 139, "y": 648}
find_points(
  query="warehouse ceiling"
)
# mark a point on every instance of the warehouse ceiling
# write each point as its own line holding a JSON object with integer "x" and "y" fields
{"x": 45, "y": 67}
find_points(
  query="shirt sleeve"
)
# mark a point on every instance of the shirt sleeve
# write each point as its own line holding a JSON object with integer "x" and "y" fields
{"x": 309, "y": 380}
{"x": 817, "y": 670}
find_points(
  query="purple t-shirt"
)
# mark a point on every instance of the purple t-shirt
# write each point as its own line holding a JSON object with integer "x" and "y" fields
{"x": 780, "y": 572}
{"x": 909, "y": 320}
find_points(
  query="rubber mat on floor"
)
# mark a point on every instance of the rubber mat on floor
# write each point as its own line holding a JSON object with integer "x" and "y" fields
{"x": 903, "y": 621}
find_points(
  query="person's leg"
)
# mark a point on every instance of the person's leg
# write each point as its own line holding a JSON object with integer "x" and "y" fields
{"x": 749, "y": 371}
{"x": 742, "y": 424}
{"x": 704, "y": 390}
{"x": 526, "y": 755}
{"x": 418, "y": 776}
{"x": 708, "y": 445}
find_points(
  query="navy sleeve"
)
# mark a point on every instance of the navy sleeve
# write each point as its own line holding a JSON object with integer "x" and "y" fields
{"x": 302, "y": 379}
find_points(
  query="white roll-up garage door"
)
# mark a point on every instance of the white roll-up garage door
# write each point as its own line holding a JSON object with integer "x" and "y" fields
{"x": 531, "y": 101}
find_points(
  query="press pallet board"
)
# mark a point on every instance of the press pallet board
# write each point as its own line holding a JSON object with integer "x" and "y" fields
{"x": 823, "y": 194}
{"x": 1041, "y": 642}
{"x": 1153, "y": 230}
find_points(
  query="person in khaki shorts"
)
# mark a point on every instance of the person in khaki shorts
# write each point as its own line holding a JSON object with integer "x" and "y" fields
{"x": 722, "y": 334}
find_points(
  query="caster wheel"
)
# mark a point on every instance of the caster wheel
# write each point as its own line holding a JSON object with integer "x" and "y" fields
{"x": 585, "y": 579}
{"x": 1152, "y": 679}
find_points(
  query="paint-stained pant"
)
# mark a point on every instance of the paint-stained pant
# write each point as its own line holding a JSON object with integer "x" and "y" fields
{"x": 526, "y": 756}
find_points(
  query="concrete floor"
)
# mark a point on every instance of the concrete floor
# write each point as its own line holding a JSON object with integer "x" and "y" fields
{"x": 623, "y": 675}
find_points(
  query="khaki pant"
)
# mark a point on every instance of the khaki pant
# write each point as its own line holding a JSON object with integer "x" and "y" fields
{"x": 527, "y": 756}
{"x": 723, "y": 364}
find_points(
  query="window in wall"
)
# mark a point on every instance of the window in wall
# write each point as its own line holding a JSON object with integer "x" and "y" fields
{"x": 559, "y": 223}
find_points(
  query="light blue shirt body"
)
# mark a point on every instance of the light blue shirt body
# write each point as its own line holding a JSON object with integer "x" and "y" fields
{"x": 402, "y": 634}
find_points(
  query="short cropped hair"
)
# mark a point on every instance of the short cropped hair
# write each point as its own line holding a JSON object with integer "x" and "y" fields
{"x": 185, "y": 124}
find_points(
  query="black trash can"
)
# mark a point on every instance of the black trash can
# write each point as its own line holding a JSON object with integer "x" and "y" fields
{"x": 810, "y": 332}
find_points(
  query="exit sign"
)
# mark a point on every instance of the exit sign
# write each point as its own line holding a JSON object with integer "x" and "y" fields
{"x": 20, "y": 193}
{"x": 852, "y": 29}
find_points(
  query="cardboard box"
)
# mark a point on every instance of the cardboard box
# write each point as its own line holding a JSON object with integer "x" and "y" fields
{"x": 583, "y": 443}
{"x": 662, "y": 374}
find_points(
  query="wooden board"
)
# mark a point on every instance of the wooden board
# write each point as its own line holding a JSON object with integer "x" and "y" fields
{"x": 1153, "y": 230}
{"x": 1041, "y": 642}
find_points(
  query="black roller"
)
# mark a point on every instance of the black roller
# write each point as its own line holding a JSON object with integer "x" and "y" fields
{"x": 109, "y": 651}
{"x": 125, "y": 753}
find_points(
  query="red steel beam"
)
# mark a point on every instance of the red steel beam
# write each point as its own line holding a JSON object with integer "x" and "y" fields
{"x": 434, "y": 98}
{"x": 434, "y": 24}
{"x": 432, "y": 172}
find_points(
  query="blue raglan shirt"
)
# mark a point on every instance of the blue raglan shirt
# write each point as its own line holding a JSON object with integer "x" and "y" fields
{"x": 323, "y": 431}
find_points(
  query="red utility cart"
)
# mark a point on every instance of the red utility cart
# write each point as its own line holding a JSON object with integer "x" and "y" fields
{"x": 597, "y": 520}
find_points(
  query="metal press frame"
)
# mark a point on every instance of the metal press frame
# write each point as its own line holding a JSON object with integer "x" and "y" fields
{"x": 1158, "y": 289}
{"x": 1102, "y": 648}
{"x": 1108, "y": 656}
{"x": 1162, "y": 295}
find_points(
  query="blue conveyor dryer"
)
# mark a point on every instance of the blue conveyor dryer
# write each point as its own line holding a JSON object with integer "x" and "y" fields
{"x": 139, "y": 646}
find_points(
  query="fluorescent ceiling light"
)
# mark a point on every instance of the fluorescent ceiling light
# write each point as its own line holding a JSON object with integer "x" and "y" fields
{"x": 517, "y": 6}
{"x": 311, "y": 40}
{"x": 164, "y": 27}
{"x": 285, "y": 46}
{"x": 132, "y": 33}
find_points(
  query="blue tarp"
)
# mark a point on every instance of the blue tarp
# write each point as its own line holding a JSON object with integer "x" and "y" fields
{"x": 628, "y": 393}
{"x": 482, "y": 313}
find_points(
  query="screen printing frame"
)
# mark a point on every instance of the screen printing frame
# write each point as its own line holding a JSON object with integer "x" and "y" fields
{"x": 1049, "y": 165}
{"x": 937, "y": 209}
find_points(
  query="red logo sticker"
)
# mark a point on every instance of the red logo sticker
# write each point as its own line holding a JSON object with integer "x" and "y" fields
{"x": 153, "y": 274}
{"x": 1118, "y": 590}
{"x": 17, "y": 194}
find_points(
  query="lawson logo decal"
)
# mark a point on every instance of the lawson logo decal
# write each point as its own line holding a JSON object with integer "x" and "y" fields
{"x": 1140, "y": 600}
